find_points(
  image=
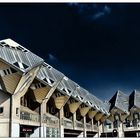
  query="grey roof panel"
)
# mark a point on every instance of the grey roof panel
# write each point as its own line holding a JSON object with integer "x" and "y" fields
{"x": 67, "y": 86}
{"x": 49, "y": 75}
{"x": 82, "y": 93}
{"x": 122, "y": 101}
{"x": 137, "y": 98}
{"x": 98, "y": 104}
{"x": 18, "y": 56}
{"x": 93, "y": 101}
{"x": 106, "y": 106}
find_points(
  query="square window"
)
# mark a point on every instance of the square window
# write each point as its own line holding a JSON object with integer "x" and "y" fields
{"x": 5, "y": 72}
{"x": 13, "y": 70}
{"x": 6, "y": 45}
{"x": 8, "y": 71}
{"x": 16, "y": 64}
{"x": 2, "y": 42}
{"x": 1, "y": 110}
{"x": 17, "y": 111}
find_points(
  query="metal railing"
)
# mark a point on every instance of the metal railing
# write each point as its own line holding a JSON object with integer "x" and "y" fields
{"x": 95, "y": 128}
{"x": 108, "y": 128}
{"x": 29, "y": 116}
{"x": 131, "y": 126}
{"x": 88, "y": 126}
{"x": 79, "y": 125}
{"x": 68, "y": 123}
{"x": 50, "y": 120}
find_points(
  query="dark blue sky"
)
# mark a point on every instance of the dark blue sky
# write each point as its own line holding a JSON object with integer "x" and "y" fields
{"x": 96, "y": 45}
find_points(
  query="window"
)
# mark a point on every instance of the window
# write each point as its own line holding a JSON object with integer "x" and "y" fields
{"x": 2, "y": 43}
{"x": 42, "y": 85}
{"x": 64, "y": 90}
{"x": 5, "y": 73}
{"x": 69, "y": 90}
{"x": 1, "y": 110}
{"x": 39, "y": 85}
{"x": 51, "y": 81}
{"x": 25, "y": 51}
{"x": 72, "y": 101}
{"x": 17, "y": 111}
{"x": 45, "y": 65}
{"x": 25, "y": 66}
{"x": 9, "y": 71}
{"x": 49, "y": 67}
{"x": 13, "y": 70}
{"x": 45, "y": 80}
{"x": 81, "y": 97}
{"x": 58, "y": 94}
{"x": 16, "y": 64}
{"x": 19, "y": 48}
{"x": 6, "y": 45}
{"x": 82, "y": 105}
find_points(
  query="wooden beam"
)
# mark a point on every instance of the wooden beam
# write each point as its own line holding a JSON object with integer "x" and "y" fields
{"x": 11, "y": 81}
{"x": 98, "y": 116}
{"x": 92, "y": 113}
{"x": 74, "y": 106}
{"x": 40, "y": 93}
{"x": 60, "y": 101}
{"x": 103, "y": 118}
{"x": 84, "y": 110}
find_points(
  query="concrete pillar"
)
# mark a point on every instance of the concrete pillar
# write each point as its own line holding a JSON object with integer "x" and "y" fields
{"x": 99, "y": 129}
{"x": 14, "y": 116}
{"x": 85, "y": 133}
{"x": 92, "y": 124}
{"x": 74, "y": 120}
{"x": 120, "y": 131}
{"x": 61, "y": 122}
{"x": 42, "y": 123}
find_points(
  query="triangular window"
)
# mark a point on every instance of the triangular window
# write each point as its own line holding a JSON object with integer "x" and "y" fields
{"x": 16, "y": 64}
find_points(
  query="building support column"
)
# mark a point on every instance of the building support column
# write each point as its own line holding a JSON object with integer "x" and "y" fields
{"x": 85, "y": 132}
{"x": 61, "y": 122}
{"x": 92, "y": 124}
{"x": 99, "y": 129}
{"x": 14, "y": 117}
{"x": 42, "y": 121}
{"x": 74, "y": 120}
{"x": 120, "y": 131}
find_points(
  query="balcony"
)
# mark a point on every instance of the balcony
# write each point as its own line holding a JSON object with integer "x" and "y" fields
{"x": 131, "y": 127}
{"x": 29, "y": 116}
{"x": 79, "y": 125}
{"x": 68, "y": 123}
{"x": 88, "y": 127}
{"x": 95, "y": 128}
{"x": 108, "y": 128}
{"x": 51, "y": 120}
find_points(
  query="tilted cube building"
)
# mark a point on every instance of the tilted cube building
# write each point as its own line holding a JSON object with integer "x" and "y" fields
{"x": 36, "y": 100}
